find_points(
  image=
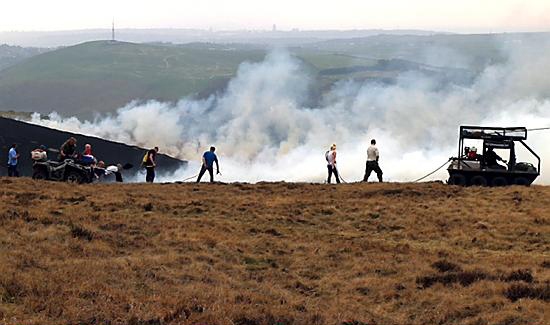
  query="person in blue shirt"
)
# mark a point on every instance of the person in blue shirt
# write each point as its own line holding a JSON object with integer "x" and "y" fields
{"x": 208, "y": 160}
{"x": 13, "y": 158}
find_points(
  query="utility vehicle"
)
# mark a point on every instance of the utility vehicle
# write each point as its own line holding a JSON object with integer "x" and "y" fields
{"x": 483, "y": 169}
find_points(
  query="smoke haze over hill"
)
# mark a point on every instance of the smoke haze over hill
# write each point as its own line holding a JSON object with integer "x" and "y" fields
{"x": 265, "y": 130}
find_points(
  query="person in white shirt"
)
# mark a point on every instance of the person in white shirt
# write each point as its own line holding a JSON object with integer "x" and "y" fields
{"x": 331, "y": 164}
{"x": 373, "y": 156}
{"x": 102, "y": 171}
{"x": 116, "y": 170}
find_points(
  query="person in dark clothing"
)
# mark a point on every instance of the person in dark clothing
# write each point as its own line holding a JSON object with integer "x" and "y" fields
{"x": 68, "y": 149}
{"x": 150, "y": 162}
{"x": 492, "y": 159}
{"x": 118, "y": 176}
{"x": 208, "y": 160}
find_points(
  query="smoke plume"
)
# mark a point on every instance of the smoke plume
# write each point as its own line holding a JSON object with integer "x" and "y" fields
{"x": 265, "y": 130}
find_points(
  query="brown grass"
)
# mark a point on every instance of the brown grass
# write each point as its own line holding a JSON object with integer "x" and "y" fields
{"x": 273, "y": 254}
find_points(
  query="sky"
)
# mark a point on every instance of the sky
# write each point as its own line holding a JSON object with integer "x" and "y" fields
{"x": 439, "y": 15}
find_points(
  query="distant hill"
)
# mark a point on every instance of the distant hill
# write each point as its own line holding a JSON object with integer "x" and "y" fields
{"x": 444, "y": 50}
{"x": 11, "y": 55}
{"x": 101, "y": 76}
{"x": 180, "y": 36}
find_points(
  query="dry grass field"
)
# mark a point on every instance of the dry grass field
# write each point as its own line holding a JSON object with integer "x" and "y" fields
{"x": 274, "y": 254}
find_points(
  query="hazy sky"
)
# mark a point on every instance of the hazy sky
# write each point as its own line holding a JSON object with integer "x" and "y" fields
{"x": 451, "y": 15}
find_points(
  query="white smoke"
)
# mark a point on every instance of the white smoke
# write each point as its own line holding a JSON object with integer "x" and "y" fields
{"x": 263, "y": 129}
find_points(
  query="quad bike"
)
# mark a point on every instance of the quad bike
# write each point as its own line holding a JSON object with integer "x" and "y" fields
{"x": 62, "y": 171}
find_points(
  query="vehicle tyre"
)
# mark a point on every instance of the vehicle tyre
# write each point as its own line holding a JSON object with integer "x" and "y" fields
{"x": 521, "y": 181}
{"x": 478, "y": 181}
{"x": 457, "y": 179}
{"x": 39, "y": 173}
{"x": 74, "y": 177}
{"x": 499, "y": 181}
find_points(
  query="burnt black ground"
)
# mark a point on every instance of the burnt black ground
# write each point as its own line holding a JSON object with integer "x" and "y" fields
{"x": 30, "y": 136}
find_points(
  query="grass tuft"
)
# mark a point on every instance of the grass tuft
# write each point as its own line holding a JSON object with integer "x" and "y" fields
{"x": 519, "y": 291}
{"x": 81, "y": 232}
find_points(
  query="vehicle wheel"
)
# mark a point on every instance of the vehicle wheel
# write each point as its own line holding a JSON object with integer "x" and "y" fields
{"x": 457, "y": 179}
{"x": 39, "y": 174}
{"x": 521, "y": 181}
{"x": 74, "y": 178}
{"x": 478, "y": 181}
{"x": 499, "y": 181}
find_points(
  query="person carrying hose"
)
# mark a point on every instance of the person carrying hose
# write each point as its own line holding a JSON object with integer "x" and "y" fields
{"x": 331, "y": 164}
{"x": 208, "y": 160}
{"x": 373, "y": 156}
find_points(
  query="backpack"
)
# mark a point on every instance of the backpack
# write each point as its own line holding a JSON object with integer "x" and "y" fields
{"x": 326, "y": 155}
{"x": 144, "y": 160}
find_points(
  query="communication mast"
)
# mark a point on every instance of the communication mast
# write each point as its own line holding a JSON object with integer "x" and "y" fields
{"x": 113, "y": 31}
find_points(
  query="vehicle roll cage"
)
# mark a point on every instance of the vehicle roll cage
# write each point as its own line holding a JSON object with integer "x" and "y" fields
{"x": 494, "y": 135}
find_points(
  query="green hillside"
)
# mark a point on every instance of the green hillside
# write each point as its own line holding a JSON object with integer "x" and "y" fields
{"x": 458, "y": 51}
{"x": 11, "y": 55}
{"x": 101, "y": 76}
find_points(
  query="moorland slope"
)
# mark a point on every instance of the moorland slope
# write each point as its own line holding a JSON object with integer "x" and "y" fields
{"x": 273, "y": 253}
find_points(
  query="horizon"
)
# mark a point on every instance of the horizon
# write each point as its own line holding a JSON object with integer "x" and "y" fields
{"x": 469, "y": 16}
{"x": 280, "y": 30}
